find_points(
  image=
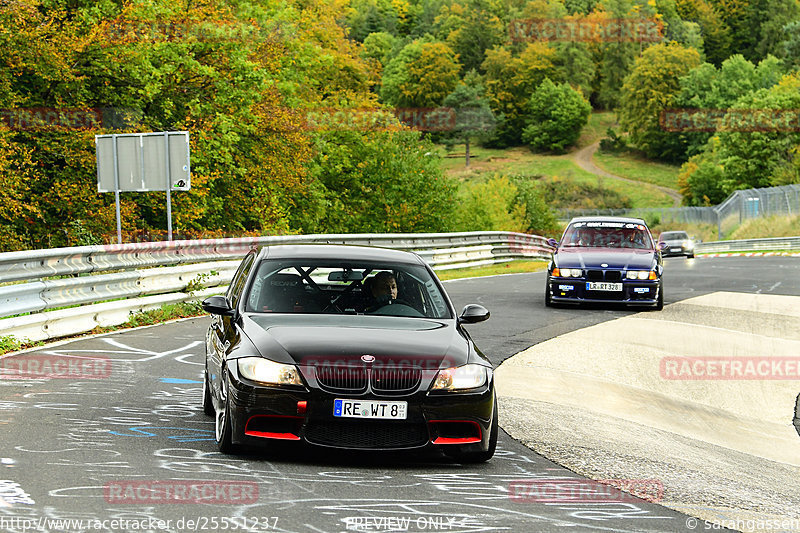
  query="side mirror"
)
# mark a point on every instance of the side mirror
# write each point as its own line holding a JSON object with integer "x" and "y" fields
{"x": 661, "y": 246}
{"x": 473, "y": 313}
{"x": 218, "y": 305}
{"x": 553, "y": 243}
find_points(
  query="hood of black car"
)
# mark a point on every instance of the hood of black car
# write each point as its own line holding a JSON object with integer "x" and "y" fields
{"x": 615, "y": 258}
{"x": 309, "y": 339}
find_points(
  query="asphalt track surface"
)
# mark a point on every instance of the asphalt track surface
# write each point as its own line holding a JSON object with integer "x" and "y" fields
{"x": 74, "y": 449}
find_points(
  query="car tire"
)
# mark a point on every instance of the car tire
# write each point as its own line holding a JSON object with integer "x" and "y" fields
{"x": 223, "y": 427}
{"x": 480, "y": 457}
{"x": 660, "y": 301}
{"x": 547, "y": 301}
{"x": 690, "y": 256}
{"x": 208, "y": 405}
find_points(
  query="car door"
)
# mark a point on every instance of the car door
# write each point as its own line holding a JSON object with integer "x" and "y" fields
{"x": 224, "y": 331}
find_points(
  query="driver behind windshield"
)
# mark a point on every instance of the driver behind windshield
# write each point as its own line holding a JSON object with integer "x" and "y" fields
{"x": 384, "y": 289}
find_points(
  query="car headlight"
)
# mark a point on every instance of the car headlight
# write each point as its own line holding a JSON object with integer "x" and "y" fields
{"x": 688, "y": 244}
{"x": 268, "y": 372}
{"x": 461, "y": 378}
{"x": 641, "y": 274}
{"x": 567, "y": 272}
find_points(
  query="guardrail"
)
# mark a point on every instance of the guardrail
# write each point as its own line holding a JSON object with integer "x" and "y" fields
{"x": 130, "y": 278}
{"x": 749, "y": 245}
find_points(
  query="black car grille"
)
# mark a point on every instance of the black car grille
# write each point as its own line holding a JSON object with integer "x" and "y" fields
{"x": 346, "y": 378}
{"x": 396, "y": 379}
{"x": 604, "y": 275}
{"x": 372, "y": 434}
{"x": 354, "y": 379}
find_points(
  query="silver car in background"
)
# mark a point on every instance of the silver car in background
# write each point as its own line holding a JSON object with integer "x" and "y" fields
{"x": 677, "y": 243}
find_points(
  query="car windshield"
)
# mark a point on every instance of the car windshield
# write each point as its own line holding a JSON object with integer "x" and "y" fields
{"x": 607, "y": 235}
{"x": 345, "y": 287}
{"x": 673, "y": 236}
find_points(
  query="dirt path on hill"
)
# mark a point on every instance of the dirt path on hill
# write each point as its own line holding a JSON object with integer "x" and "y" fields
{"x": 583, "y": 158}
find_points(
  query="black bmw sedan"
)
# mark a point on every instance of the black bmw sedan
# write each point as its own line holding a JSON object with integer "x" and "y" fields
{"x": 606, "y": 259}
{"x": 346, "y": 347}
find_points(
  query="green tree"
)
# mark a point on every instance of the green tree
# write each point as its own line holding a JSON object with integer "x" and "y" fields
{"x": 378, "y": 46}
{"x": 763, "y": 158}
{"x": 575, "y": 65}
{"x": 648, "y": 90}
{"x": 510, "y": 81}
{"x": 616, "y": 56}
{"x": 707, "y": 88}
{"x": 789, "y": 48}
{"x": 372, "y": 16}
{"x": 470, "y": 28}
{"x": 381, "y": 182}
{"x": 700, "y": 180}
{"x": 473, "y": 116}
{"x": 716, "y": 34}
{"x": 558, "y": 113}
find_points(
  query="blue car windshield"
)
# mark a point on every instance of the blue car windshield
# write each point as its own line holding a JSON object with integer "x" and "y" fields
{"x": 607, "y": 235}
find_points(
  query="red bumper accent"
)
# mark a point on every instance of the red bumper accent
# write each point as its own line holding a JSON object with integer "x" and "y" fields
{"x": 259, "y": 426}
{"x": 468, "y": 432}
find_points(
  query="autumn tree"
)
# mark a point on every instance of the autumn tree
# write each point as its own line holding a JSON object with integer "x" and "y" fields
{"x": 650, "y": 89}
{"x": 421, "y": 75}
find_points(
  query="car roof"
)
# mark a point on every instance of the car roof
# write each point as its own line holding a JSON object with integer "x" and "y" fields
{"x": 338, "y": 251}
{"x": 609, "y": 219}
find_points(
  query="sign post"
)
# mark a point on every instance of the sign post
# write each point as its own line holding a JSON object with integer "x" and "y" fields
{"x": 143, "y": 162}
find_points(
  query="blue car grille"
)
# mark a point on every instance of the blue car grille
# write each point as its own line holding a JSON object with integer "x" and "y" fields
{"x": 604, "y": 275}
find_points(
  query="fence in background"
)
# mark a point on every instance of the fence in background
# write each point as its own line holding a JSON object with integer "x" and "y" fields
{"x": 103, "y": 285}
{"x": 738, "y": 207}
{"x": 749, "y": 245}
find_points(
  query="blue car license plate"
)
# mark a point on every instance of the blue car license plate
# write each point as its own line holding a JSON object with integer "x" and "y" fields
{"x": 603, "y": 286}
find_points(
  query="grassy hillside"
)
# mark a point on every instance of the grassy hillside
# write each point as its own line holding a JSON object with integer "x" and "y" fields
{"x": 632, "y": 166}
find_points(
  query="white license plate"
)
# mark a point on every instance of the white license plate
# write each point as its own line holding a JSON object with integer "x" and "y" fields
{"x": 370, "y": 409}
{"x": 600, "y": 286}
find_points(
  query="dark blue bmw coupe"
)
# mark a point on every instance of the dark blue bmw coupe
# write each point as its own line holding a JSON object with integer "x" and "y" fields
{"x": 605, "y": 259}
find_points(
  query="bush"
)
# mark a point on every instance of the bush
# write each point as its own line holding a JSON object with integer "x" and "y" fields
{"x": 613, "y": 143}
{"x": 558, "y": 113}
{"x": 488, "y": 206}
{"x": 377, "y": 182}
{"x": 570, "y": 195}
{"x": 504, "y": 203}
